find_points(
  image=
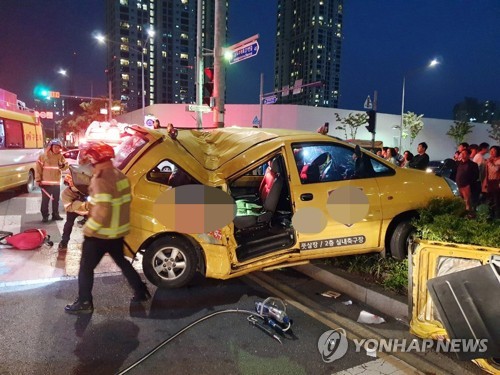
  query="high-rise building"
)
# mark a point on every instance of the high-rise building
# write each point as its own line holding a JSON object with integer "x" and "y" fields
{"x": 308, "y": 52}
{"x": 168, "y": 58}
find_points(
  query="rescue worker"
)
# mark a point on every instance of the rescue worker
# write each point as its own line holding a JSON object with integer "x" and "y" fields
{"x": 48, "y": 177}
{"x": 108, "y": 223}
{"x": 75, "y": 204}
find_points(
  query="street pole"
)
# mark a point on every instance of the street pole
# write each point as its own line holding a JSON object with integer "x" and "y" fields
{"x": 110, "y": 102}
{"x": 374, "y": 107}
{"x": 261, "y": 96}
{"x": 199, "y": 66}
{"x": 219, "y": 76}
{"x": 402, "y": 114}
{"x": 143, "y": 97}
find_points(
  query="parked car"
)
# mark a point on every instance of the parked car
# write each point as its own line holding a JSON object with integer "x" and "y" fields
{"x": 307, "y": 167}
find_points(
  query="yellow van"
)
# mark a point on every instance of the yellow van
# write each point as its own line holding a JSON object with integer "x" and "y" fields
{"x": 21, "y": 143}
{"x": 305, "y": 169}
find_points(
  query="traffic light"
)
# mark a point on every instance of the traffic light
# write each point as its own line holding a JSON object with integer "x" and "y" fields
{"x": 208, "y": 86}
{"x": 41, "y": 92}
{"x": 372, "y": 119}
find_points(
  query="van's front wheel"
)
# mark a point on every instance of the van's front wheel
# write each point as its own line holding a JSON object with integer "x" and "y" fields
{"x": 401, "y": 240}
{"x": 169, "y": 262}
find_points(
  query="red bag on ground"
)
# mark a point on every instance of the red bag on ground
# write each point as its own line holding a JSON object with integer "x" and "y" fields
{"x": 29, "y": 239}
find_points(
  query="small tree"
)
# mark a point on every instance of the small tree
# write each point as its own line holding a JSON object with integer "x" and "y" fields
{"x": 353, "y": 121}
{"x": 412, "y": 125}
{"x": 494, "y": 131}
{"x": 459, "y": 131}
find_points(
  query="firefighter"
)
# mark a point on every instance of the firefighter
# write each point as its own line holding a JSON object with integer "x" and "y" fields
{"x": 108, "y": 223}
{"x": 48, "y": 177}
{"x": 75, "y": 204}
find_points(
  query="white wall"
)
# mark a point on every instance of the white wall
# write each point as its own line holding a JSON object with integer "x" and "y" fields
{"x": 285, "y": 116}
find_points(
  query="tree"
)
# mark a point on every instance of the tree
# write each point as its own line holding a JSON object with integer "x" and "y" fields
{"x": 353, "y": 121}
{"x": 494, "y": 131}
{"x": 412, "y": 125}
{"x": 459, "y": 131}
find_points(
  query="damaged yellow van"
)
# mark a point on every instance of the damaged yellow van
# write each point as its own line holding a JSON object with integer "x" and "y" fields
{"x": 283, "y": 172}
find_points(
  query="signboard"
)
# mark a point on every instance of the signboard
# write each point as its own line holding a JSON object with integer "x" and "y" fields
{"x": 149, "y": 121}
{"x": 270, "y": 99}
{"x": 368, "y": 103}
{"x": 245, "y": 52}
{"x": 297, "y": 87}
{"x": 286, "y": 90}
{"x": 198, "y": 108}
{"x": 47, "y": 115}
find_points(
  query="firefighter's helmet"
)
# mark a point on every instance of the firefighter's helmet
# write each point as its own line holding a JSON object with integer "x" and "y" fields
{"x": 100, "y": 151}
{"x": 55, "y": 142}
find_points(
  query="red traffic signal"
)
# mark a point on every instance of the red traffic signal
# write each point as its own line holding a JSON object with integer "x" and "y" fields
{"x": 208, "y": 86}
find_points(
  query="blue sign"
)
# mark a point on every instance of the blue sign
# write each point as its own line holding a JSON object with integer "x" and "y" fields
{"x": 256, "y": 121}
{"x": 270, "y": 99}
{"x": 245, "y": 52}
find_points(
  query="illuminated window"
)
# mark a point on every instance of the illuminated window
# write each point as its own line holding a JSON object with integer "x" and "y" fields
{"x": 123, "y": 47}
{"x": 184, "y": 1}
{"x": 124, "y": 2}
{"x": 184, "y": 56}
{"x": 124, "y": 25}
{"x": 124, "y": 62}
{"x": 124, "y": 39}
{"x": 125, "y": 77}
{"x": 184, "y": 36}
{"x": 163, "y": 54}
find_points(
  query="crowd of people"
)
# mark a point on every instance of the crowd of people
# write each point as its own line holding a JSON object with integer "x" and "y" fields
{"x": 407, "y": 159}
{"x": 478, "y": 176}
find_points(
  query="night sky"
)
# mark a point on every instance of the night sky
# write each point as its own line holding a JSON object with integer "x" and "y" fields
{"x": 383, "y": 41}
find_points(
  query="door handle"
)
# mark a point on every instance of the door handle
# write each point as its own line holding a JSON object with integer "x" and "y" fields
{"x": 306, "y": 197}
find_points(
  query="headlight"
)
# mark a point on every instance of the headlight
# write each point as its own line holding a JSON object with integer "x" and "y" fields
{"x": 429, "y": 170}
{"x": 453, "y": 186}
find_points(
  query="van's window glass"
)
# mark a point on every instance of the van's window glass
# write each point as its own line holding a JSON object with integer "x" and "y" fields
{"x": 127, "y": 149}
{"x": 13, "y": 134}
{"x": 168, "y": 173}
{"x": 2, "y": 134}
{"x": 327, "y": 162}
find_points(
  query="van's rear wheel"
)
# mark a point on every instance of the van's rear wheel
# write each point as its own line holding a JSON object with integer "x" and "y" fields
{"x": 401, "y": 240}
{"x": 169, "y": 262}
{"x": 30, "y": 184}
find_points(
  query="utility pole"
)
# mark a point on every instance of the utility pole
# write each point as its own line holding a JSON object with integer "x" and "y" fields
{"x": 219, "y": 69}
{"x": 261, "y": 96}
{"x": 110, "y": 102}
{"x": 199, "y": 66}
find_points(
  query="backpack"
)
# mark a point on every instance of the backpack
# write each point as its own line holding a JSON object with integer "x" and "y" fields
{"x": 30, "y": 239}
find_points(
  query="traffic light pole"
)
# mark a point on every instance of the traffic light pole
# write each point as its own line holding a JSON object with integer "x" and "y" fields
{"x": 375, "y": 94}
{"x": 219, "y": 75}
{"x": 199, "y": 66}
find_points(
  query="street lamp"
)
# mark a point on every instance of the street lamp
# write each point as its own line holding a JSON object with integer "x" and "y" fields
{"x": 431, "y": 64}
{"x": 151, "y": 33}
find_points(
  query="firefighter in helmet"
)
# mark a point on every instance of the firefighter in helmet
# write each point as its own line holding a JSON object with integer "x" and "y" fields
{"x": 48, "y": 177}
{"x": 108, "y": 223}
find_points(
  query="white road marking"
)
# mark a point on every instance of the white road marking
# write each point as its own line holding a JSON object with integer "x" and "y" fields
{"x": 33, "y": 205}
{"x": 10, "y": 223}
{"x": 381, "y": 366}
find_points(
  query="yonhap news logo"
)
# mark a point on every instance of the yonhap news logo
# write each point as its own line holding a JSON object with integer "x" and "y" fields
{"x": 333, "y": 345}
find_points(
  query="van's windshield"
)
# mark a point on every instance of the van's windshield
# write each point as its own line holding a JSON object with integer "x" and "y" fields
{"x": 129, "y": 147}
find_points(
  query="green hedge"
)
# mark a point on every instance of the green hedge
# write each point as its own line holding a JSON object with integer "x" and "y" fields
{"x": 445, "y": 219}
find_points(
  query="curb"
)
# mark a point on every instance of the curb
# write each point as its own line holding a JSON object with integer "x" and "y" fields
{"x": 381, "y": 302}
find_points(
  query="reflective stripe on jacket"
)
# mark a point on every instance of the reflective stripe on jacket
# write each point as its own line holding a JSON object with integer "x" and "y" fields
{"x": 48, "y": 168}
{"x": 74, "y": 202}
{"x": 109, "y": 214}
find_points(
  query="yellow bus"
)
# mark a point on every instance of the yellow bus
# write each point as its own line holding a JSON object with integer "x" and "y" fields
{"x": 21, "y": 143}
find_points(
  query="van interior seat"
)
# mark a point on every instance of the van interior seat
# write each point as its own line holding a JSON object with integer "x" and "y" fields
{"x": 250, "y": 214}
{"x": 311, "y": 173}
